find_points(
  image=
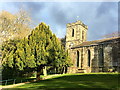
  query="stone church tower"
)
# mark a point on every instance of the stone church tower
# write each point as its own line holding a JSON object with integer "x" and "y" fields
{"x": 76, "y": 33}
{"x": 91, "y": 56}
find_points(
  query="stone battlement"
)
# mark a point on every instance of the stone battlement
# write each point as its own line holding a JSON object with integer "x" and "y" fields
{"x": 77, "y": 23}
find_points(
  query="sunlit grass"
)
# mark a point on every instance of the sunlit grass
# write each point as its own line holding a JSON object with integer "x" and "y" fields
{"x": 92, "y": 80}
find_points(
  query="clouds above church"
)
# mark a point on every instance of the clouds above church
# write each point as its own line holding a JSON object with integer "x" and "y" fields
{"x": 101, "y": 17}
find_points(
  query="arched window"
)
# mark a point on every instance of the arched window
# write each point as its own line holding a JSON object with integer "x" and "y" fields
{"x": 115, "y": 55}
{"x": 72, "y": 32}
{"x": 77, "y": 58}
{"x": 101, "y": 57}
{"x": 89, "y": 56}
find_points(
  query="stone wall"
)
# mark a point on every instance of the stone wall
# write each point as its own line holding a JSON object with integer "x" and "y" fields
{"x": 103, "y": 56}
{"x": 96, "y": 64}
{"x": 80, "y": 33}
{"x": 72, "y": 69}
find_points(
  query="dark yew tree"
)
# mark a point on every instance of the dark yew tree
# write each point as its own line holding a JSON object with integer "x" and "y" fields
{"x": 63, "y": 41}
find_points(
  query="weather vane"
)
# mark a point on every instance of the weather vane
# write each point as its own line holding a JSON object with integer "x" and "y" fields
{"x": 77, "y": 18}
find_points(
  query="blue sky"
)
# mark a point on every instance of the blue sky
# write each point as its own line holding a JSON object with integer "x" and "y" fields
{"x": 100, "y": 17}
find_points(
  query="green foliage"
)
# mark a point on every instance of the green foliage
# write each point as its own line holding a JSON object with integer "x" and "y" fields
{"x": 41, "y": 48}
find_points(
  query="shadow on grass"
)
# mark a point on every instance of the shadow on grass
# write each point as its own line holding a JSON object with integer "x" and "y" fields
{"x": 85, "y": 81}
{"x": 18, "y": 80}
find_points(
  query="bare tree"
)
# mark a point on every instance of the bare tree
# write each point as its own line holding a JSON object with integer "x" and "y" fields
{"x": 113, "y": 34}
{"x": 12, "y": 26}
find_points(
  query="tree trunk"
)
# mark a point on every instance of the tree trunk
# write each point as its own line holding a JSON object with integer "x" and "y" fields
{"x": 66, "y": 69}
{"x": 38, "y": 74}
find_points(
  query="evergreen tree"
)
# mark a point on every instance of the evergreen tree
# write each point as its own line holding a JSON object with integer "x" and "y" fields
{"x": 41, "y": 48}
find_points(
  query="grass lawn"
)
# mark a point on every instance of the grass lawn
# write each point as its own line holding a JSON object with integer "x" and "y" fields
{"x": 83, "y": 81}
{"x": 17, "y": 80}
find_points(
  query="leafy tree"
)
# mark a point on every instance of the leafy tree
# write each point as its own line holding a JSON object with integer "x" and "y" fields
{"x": 14, "y": 25}
{"x": 41, "y": 48}
{"x": 39, "y": 41}
{"x": 63, "y": 41}
{"x": 8, "y": 56}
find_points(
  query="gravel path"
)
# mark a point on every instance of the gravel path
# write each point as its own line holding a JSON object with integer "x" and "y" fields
{"x": 10, "y": 86}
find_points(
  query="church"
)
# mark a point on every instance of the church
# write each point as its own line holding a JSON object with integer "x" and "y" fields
{"x": 91, "y": 56}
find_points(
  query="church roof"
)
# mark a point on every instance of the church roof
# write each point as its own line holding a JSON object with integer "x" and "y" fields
{"x": 96, "y": 42}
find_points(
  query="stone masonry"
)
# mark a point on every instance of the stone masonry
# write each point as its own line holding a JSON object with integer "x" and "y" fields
{"x": 91, "y": 56}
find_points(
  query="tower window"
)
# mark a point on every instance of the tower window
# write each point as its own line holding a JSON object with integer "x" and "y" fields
{"x": 77, "y": 58}
{"x": 72, "y": 32}
{"x": 82, "y": 35}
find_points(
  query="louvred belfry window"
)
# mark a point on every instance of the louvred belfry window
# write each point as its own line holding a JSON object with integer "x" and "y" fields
{"x": 72, "y": 32}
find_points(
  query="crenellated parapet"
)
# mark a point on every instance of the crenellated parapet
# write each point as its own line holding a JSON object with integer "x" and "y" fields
{"x": 77, "y": 23}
